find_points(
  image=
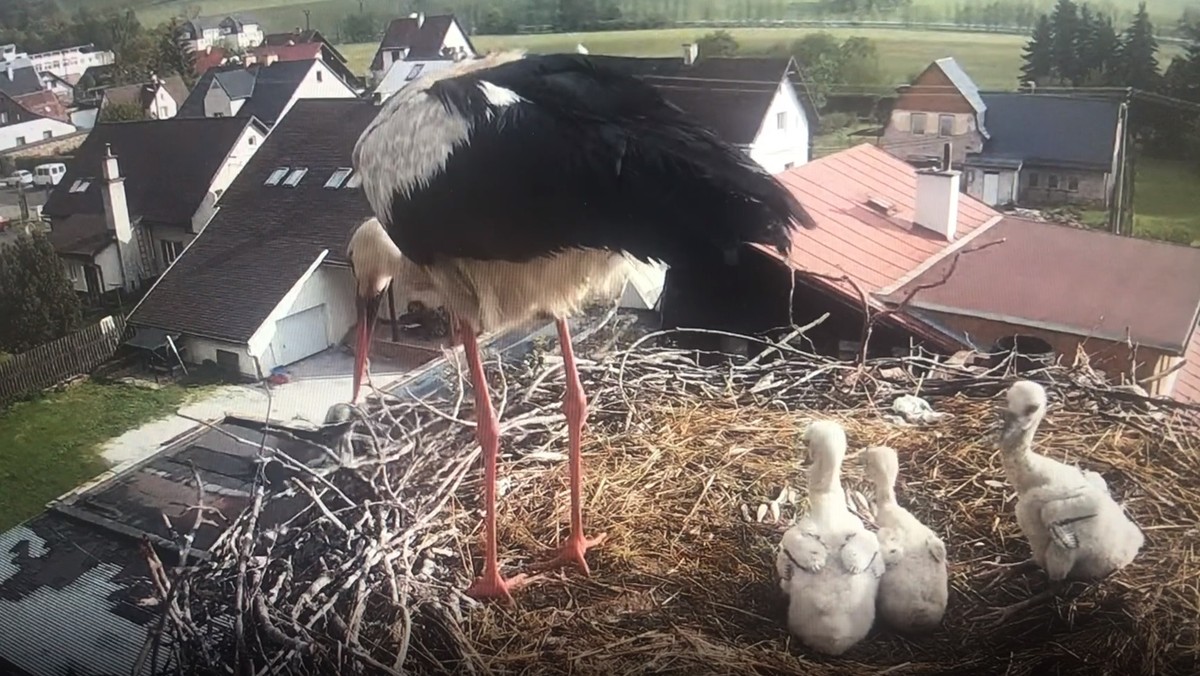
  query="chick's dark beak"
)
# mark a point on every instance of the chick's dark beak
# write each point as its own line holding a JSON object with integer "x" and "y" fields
{"x": 368, "y": 313}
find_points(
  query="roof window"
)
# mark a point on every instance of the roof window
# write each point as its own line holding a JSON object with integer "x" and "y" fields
{"x": 338, "y": 179}
{"x": 276, "y": 176}
{"x": 79, "y": 186}
{"x": 294, "y": 178}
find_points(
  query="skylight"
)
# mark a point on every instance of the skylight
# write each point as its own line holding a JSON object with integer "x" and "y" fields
{"x": 276, "y": 176}
{"x": 338, "y": 178}
{"x": 294, "y": 177}
{"x": 79, "y": 186}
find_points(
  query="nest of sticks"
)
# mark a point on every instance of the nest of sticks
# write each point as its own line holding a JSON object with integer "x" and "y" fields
{"x": 692, "y": 468}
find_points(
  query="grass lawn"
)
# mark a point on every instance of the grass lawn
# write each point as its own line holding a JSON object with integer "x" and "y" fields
{"x": 1166, "y": 200}
{"x": 48, "y": 445}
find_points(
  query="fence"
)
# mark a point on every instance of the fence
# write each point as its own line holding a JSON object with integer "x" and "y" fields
{"x": 47, "y": 365}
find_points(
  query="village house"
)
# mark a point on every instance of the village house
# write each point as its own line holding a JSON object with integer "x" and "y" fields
{"x": 70, "y": 63}
{"x": 760, "y": 105}
{"x": 17, "y": 74}
{"x": 20, "y": 126}
{"x": 417, "y": 45}
{"x": 266, "y": 91}
{"x": 1021, "y": 149}
{"x": 888, "y": 233}
{"x": 137, "y": 194}
{"x": 307, "y": 44}
{"x": 234, "y": 31}
{"x": 158, "y": 99}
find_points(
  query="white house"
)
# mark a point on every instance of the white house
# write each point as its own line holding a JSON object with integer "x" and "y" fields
{"x": 235, "y": 31}
{"x": 420, "y": 44}
{"x": 19, "y": 126}
{"x": 71, "y": 62}
{"x": 118, "y": 219}
{"x": 266, "y": 91}
{"x": 159, "y": 98}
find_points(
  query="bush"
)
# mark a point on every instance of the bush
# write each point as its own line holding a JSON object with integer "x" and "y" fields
{"x": 831, "y": 122}
{"x": 37, "y": 300}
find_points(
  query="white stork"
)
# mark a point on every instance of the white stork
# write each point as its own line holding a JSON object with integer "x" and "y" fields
{"x": 515, "y": 187}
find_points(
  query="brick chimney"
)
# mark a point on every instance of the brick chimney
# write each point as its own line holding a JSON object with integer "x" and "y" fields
{"x": 937, "y": 198}
{"x": 691, "y": 51}
{"x": 116, "y": 216}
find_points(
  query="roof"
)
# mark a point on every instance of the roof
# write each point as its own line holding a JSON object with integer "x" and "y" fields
{"x": 423, "y": 42}
{"x": 122, "y": 95}
{"x": 963, "y": 82}
{"x": 735, "y": 114}
{"x": 80, "y": 235}
{"x": 1187, "y": 382}
{"x": 267, "y": 88}
{"x": 203, "y": 23}
{"x": 73, "y": 584}
{"x": 44, "y": 103}
{"x": 310, "y": 50}
{"x": 1145, "y": 290}
{"x": 298, "y": 37}
{"x": 176, "y": 87}
{"x": 208, "y": 59}
{"x": 264, "y": 238}
{"x": 856, "y": 240}
{"x": 1047, "y": 129}
{"x": 143, "y": 149}
{"x": 21, "y": 79}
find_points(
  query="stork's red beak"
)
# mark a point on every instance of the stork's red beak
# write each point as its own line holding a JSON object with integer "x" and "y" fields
{"x": 368, "y": 311}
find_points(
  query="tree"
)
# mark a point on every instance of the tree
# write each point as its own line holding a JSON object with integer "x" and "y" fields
{"x": 122, "y": 112}
{"x": 1064, "y": 22}
{"x": 36, "y": 298}
{"x": 1137, "y": 55}
{"x": 174, "y": 54}
{"x": 1095, "y": 46}
{"x": 859, "y": 62}
{"x": 360, "y": 27}
{"x": 1038, "y": 55}
{"x": 717, "y": 43}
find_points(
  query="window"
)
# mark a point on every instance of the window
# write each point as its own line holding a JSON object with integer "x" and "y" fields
{"x": 162, "y": 112}
{"x": 1034, "y": 177}
{"x": 20, "y": 140}
{"x": 72, "y": 271}
{"x": 293, "y": 178}
{"x": 170, "y": 251}
{"x": 338, "y": 178}
{"x": 918, "y": 123}
{"x": 945, "y": 125}
{"x": 781, "y": 119}
{"x": 320, "y": 76}
{"x": 79, "y": 186}
{"x": 218, "y": 114}
{"x": 251, "y": 141}
{"x": 789, "y": 165}
{"x": 3, "y": 118}
{"x": 276, "y": 176}
{"x": 416, "y": 70}
{"x": 1073, "y": 183}
{"x": 1052, "y": 181}
{"x": 47, "y": 135}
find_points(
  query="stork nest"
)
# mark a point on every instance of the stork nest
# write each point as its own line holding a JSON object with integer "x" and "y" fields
{"x": 359, "y": 566}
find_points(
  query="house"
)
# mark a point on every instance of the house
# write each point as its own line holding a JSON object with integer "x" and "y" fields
{"x": 284, "y": 42}
{"x": 265, "y": 91}
{"x": 234, "y": 31}
{"x": 137, "y": 193}
{"x": 71, "y": 62}
{"x": 45, "y": 104}
{"x": 760, "y": 105}
{"x": 208, "y": 58}
{"x": 1025, "y": 149}
{"x": 18, "y": 76}
{"x": 421, "y": 44}
{"x": 159, "y": 98}
{"x": 93, "y": 82}
{"x": 62, "y": 87}
{"x": 20, "y": 126}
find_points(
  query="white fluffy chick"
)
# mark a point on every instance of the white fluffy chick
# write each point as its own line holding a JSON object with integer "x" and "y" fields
{"x": 828, "y": 563}
{"x": 915, "y": 587}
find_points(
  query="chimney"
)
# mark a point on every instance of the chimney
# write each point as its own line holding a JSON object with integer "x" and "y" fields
{"x": 10, "y": 72}
{"x": 937, "y": 198}
{"x": 420, "y": 19}
{"x": 116, "y": 217}
{"x": 690, "y": 51}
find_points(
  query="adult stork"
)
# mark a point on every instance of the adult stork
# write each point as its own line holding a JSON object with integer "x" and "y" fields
{"x": 516, "y": 187}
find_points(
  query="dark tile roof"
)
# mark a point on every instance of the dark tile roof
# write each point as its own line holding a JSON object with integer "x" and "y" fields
{"x": 19, "y": 81}
{"x": 168, "y": 166}
{"x": 73, "y": 583}
{"x": 1149, "y": 289}
{"x": 1051, "y": 130}
{"x": 265, "y": 237}
{"x": 423, "y": 43}
{"x": 734, "y": 114}
{"x": 268, "y": 88}
{"x": 176, "y": 87}
{"x": 80, "y": 235}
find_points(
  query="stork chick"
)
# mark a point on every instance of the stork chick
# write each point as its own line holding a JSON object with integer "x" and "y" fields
{"x": 915, "y": 587}
{"x": 517, "y": 187}
{"x": 828, "y": 563}
{"x": 1075, "y": 529}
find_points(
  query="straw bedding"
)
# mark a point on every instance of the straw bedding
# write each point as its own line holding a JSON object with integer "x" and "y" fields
{"x": 680, "y": 460}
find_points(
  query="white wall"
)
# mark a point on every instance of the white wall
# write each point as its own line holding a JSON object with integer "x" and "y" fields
{"x": 319, "y": 83}
{"x": 247, "y": 144}
{"x": 70, "y": 61}
{"x": 456, "y": 39}
{"x": 775, "y": 148}
{"x": 216, "y": 100}
{"x": 324, "y": 284}
{"x": 396, "y": 77}
{"x": 32, "y": 131}
{"x": 109, "y": 261}
{"x": 200, "y": 350}
{"x": 164, "y": 106}
{"x": 75, "y": 273}
{"x": 84, "y": 118}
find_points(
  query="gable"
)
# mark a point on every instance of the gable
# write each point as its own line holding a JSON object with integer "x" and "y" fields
{"x": 934, "y": 91}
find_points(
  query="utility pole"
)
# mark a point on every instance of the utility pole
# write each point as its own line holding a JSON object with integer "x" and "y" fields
{"x": 307, "y": 25}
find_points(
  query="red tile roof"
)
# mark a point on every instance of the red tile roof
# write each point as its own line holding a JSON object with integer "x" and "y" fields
{"x": 204, "y": 61}
{"x": 300, "y": 52}
{"x": 44, "y": 103}
{"x": 1072, "y": 280}
{"x": 856, "y": 240}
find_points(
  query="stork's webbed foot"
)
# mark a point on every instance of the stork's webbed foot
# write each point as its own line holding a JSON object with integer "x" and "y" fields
{"x": 573, "y": 551}
{"x": 493, "y": 587}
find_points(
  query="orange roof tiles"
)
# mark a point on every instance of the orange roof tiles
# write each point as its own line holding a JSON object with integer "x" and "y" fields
{"x": 856, "y": 240}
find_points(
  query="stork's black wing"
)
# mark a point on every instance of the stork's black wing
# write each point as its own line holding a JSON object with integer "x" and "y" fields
{"x": 587, "y": 157}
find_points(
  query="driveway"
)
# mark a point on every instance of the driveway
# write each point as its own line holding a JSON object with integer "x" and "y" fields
{"x": 10, "y": 205}
{"x": 315, "y": 384}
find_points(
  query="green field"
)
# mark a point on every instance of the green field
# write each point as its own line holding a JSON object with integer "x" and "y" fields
{"x": 1166, "y": 200}
{"x": 48, "y": 445}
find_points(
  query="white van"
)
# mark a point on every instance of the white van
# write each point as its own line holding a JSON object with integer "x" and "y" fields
{"x": 47, "y": 175}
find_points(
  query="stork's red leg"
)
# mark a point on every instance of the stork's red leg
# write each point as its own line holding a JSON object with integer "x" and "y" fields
{"x": 487, "y": 430}
{"x": 575, "y": 406}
